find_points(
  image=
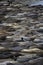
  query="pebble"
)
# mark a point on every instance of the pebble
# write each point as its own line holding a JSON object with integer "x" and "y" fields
{"x": 7, "y": 62}
{"x": 40, "y": 30}
{"x": 40, "y": 3}
{"x": 37, "y": 40}
{"x": 36, "y": 61}
{"x": 26, "y": 58}
{"x": 5, "y": 55}
{"x": 17, "y": 48}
